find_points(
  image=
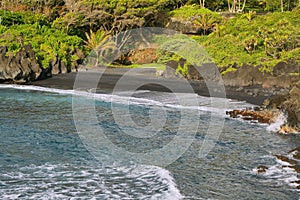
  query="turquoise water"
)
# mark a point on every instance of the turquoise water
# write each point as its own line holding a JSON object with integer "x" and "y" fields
{"x": 42, "y": 156}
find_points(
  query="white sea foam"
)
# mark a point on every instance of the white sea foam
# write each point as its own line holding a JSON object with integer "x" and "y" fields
{"x": 204, "y": 102}
{"x": 66, "y": 181}
{"x": 280, "y": 120}
{"x": 280, "y": 173}
{"x": 144, "y": 172}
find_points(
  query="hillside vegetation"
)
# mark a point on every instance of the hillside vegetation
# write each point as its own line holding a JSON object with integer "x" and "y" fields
{"x": 254, "y": 32}
{"x": 255, "y": 39}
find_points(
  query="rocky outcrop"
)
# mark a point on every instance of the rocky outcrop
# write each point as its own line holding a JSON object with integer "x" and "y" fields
{"x": 245, "y": 75}
{"x": 22, "y": 67}
{"x": 275, "y": 102}
{"x": 284, "y": 68}
{"x": 207, "y": 71}
{"x": 292, "y": 106}
{"x": 283, "y": 79}
{"x": 170, "y": 71}
{"x": 255, "y": 115}
{"x": 248, "y": 75}
{"x": 187, "y": 27}
{"x": 286, "y": 103}
{"x": 57, "y": 66}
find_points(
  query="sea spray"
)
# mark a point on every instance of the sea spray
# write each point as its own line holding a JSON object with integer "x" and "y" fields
{"x": 280, "y": 120}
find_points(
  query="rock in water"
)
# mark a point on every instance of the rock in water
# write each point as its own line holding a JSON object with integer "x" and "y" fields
{"x": 296, "y": 153}
{"x": 20, "y": 68}
{"x": 260, "y": 116}
{"x": 262, "y": 169}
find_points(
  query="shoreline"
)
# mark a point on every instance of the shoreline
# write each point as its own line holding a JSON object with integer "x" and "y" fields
{"x": 110, "y": 77}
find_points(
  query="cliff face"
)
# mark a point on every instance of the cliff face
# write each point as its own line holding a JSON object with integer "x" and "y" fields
{"x": 20, "y": 68}
{"x": 248, "y": 75}
{"x": 24, "y": 67}
{"x": 292, "y": 106}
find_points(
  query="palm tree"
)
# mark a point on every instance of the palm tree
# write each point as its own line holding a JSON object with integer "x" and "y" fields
{"x": 205, "y": 22}
{"x": 202, "y": 3}
{"x": 236, "y": 6}
{"x": 99, "y": 43}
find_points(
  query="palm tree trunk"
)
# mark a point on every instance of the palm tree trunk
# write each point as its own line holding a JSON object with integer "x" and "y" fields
{"x": 244, "y": 4}
{"x": 233, "y": 7}
{"x": 202, "y": 3}
{"x": 229, "y": 9}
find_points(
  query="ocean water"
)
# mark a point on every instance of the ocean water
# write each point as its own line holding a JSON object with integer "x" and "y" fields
{"x": 44, "y": 155}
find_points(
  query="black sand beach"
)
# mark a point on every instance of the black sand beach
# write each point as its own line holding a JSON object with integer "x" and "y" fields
{"x": 110, "y": 77}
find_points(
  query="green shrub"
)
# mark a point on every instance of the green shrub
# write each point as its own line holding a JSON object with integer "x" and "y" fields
{"x": 191, "y": 11}
{"x": 46, "y": 42}
{"x": 264, "y": 40}
{"x": 2, "y": 29}
{"x": 9, "y": 18}
{"x": 229, "y": 69}
{"x": 203, "y": 18}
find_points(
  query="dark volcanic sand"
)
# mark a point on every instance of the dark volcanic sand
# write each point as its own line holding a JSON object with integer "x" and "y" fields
{"x": 110, "y": 77}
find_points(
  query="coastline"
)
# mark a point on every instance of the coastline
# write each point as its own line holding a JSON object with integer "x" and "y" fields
{"x": 110, "y": 77}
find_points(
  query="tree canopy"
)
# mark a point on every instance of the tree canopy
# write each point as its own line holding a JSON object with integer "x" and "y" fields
{"x": 260, "y": 30}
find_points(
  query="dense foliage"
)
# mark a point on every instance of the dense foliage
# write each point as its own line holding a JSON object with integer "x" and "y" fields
{"x": 257, "y": 33}
{"x": 20, "y": 28}
{"x": 260, "y": 40}
{"x": 48, "y": 43}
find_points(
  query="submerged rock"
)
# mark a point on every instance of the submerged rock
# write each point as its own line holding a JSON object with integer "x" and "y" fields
{"x": 295, "y": 167}
{"x": 296, "y": 153}
{"x": 286, "y": 159}
{"x": 262, "y": 169}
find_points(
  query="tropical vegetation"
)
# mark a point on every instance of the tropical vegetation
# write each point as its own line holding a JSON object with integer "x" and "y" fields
{"x": 258, "y": 32}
